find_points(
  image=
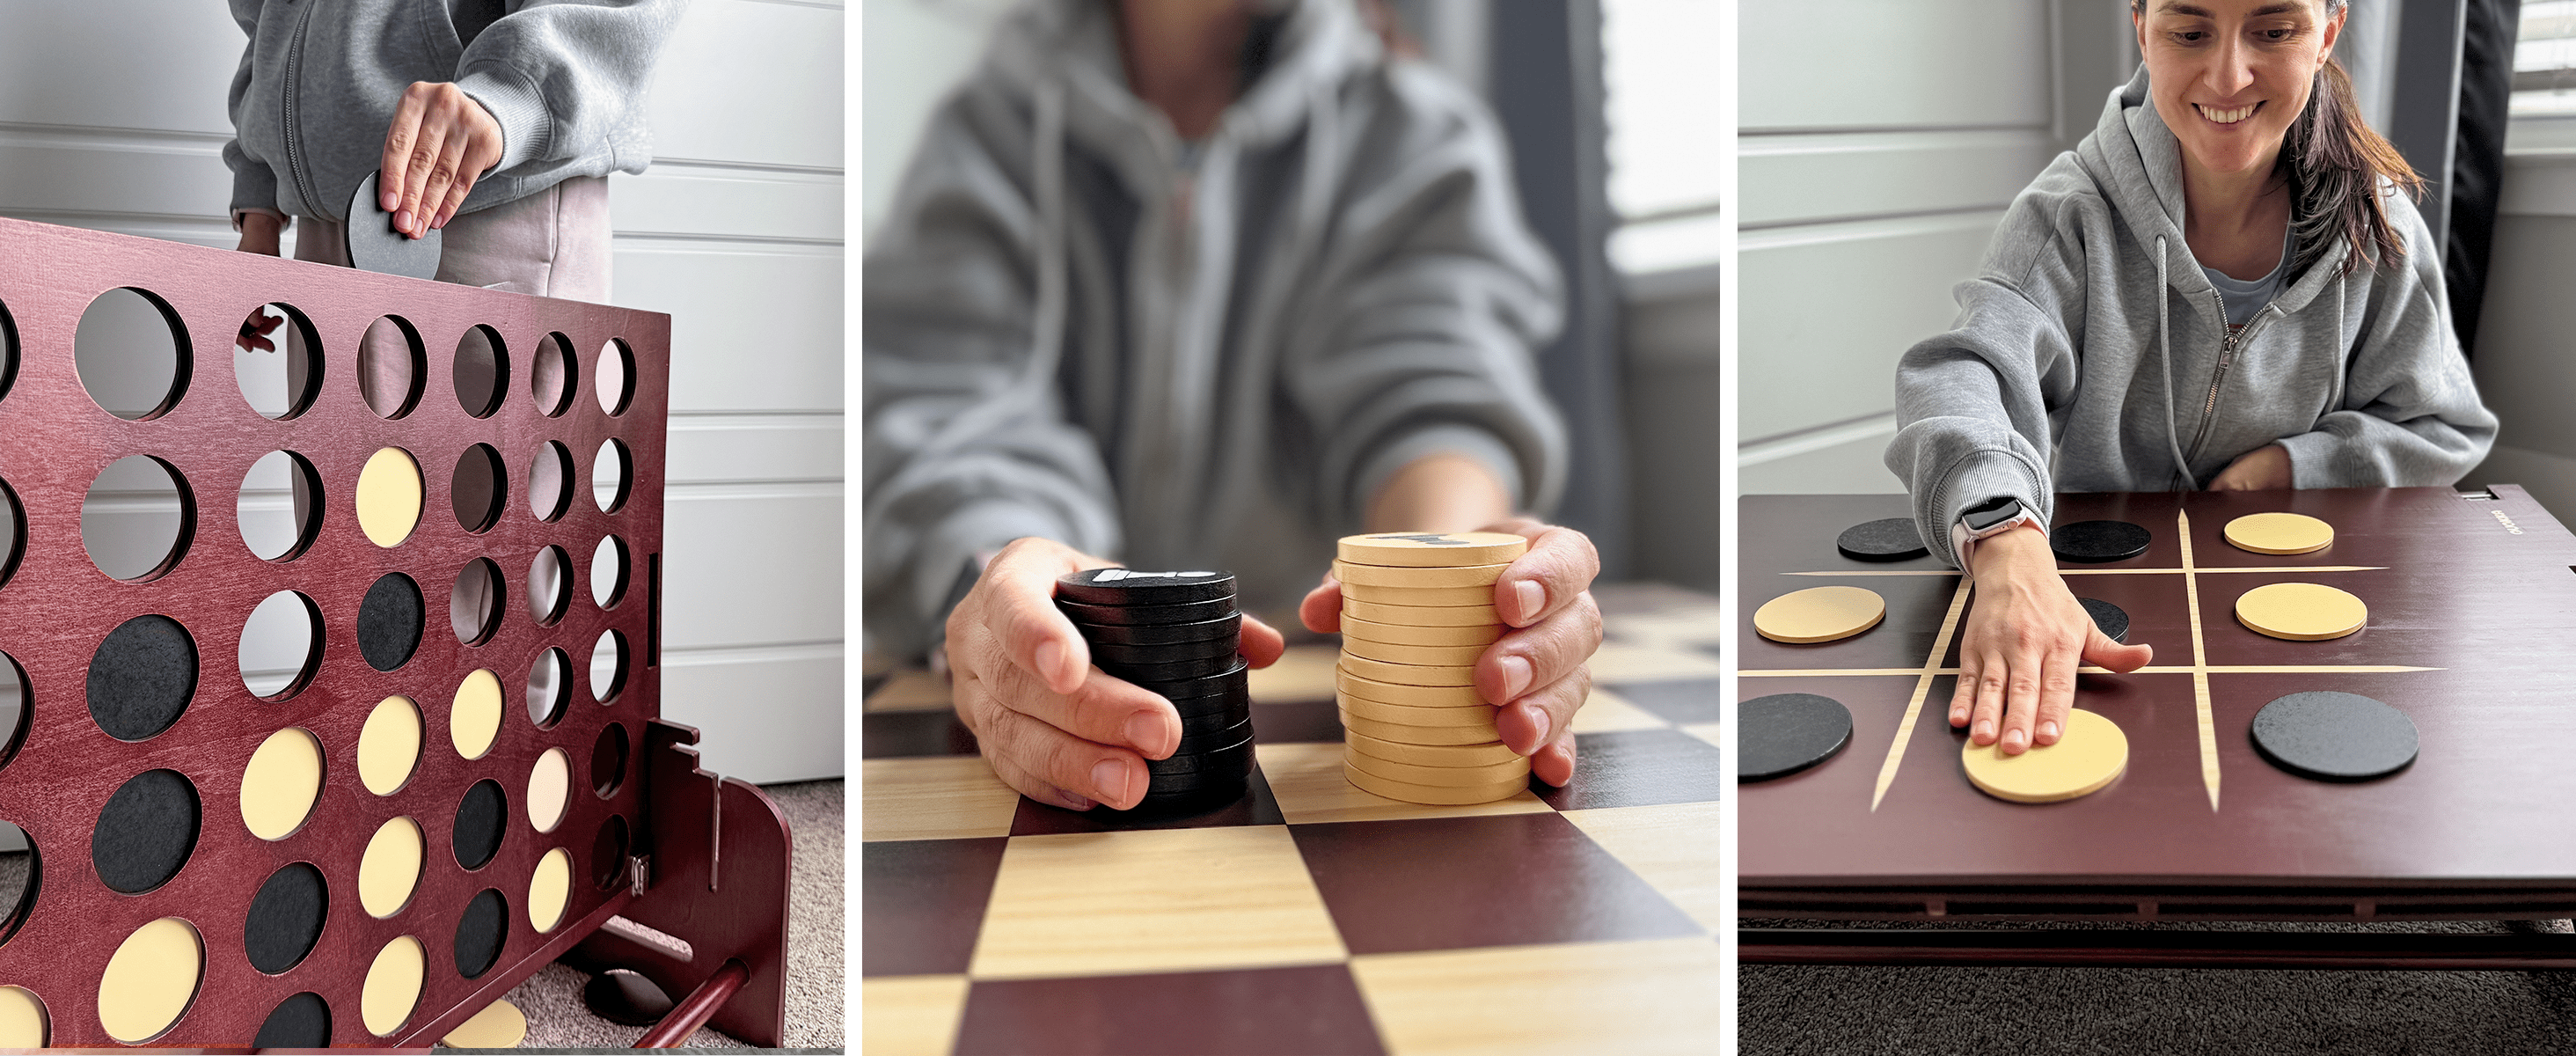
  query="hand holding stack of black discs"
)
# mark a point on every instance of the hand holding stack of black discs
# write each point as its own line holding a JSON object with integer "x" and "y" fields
{"x": 1176, "y": 634}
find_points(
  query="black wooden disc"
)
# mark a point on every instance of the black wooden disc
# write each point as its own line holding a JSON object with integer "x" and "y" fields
{"x": 299, "y": 1022}
{"x": 1178, "y": 671}
{"x": 2097, "y": 542}
{"x": 1231, "y": 681}
{"x": 1226, "y": 626}
{"x": 146, "y": 832}
{"x": 1784, "y": 733}
{"x": 285, "y": 918}
{"x": 389, "y": 622}
{"x": 481, "y": 819}
{"x": 374, "y": 245}
{"x": 1236, "y": 757}
{"x": 1194, "y": 742}
{"x": 1166, "y": 653}
{"x": 1146, "y": 615}
{"x": 1203, "y": 714}
{"x": 1893, "y": 539}
{"x": 2334, "y": 736}
{"x": 621, "y": 996}
{"x": 480, "y": 931}
{"x": 142, "y": 677}
{"x": 2112, "y": 619}
{"x": 1128, "y": 586}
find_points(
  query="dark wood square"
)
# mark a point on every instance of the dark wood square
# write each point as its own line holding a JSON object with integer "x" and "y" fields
{"x": 1494, "y": 880}
{"x": 1304, "y": 1011}
{"x": 1637, "y": 768}
{"x": 923, "y": 903}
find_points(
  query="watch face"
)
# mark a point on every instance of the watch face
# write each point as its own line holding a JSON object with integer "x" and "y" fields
{"x": 1991, "y": 513}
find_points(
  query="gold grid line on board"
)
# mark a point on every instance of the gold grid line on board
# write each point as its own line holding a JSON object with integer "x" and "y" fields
{"x": 1922, "y": 686}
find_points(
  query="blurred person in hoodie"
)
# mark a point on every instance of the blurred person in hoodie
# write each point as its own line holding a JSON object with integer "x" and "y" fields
{"x": 1202, "y": 283}
{"x": 2222, "y": 287}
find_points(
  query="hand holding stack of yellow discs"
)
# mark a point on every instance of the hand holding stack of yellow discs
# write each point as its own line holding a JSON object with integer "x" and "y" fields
{"x": 1417, "y": 610}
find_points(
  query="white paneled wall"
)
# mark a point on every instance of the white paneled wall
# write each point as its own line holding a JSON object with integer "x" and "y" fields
{"x": 2526, "y": 348}
{"x": 112, "y": 117}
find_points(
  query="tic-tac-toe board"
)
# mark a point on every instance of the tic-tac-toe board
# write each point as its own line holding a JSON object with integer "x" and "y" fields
{"x": 2470, "y": 599}
{"x": 1311, "y": 917}
{"x": 502, "y": 797}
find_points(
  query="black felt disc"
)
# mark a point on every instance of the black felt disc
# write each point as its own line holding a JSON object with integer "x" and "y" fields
{"x": 389, "y": 622}
{"x": 1127, "y": 586}
{"x": 2334, "y": 736}
{"x": 1784, "y": 733}
{"x": 1235, "y": 755}
{"x": 479, "y": 933}
{"x": 285, "y": 918}
{"x": 1203, "y": 714}
{"x": 1225, "y": 627}
{"x": 1177, "y": 672}
{"x": 2097, "y": 542}
{"x": 1232, "y": 681}
{"x": 625, "y": 997}
{"x": 300, "y": 1022}
{"x": 1165, "y": 653}
{"x": 146, "y": 832}
{"x": 1146, "y": 615}
{"x": 479, "y": 823}
{"x": 1226, "y": 736}
{"x": 374, "y": 245}
{"x": 2112, "y": 619}
{"x": 1893, "y": 539}
{"x": 141, "y": 677}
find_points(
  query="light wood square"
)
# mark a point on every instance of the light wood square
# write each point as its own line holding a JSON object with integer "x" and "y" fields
{"x": 1660, "y": 996}
{"x": 913, "y": 690}
{"x": 1155, "y": 900}
{"x": 1621, "y": 662}
{"x": 1304, "y": 672}
{"x": 910, "y": 1015}
{"x": 1706, "y": 731}
{"x": 1608, "y": 712}
{"x": 1675, "y": 846}
{"x": 1308, "y": 783}
{"x": 945, "y": 797}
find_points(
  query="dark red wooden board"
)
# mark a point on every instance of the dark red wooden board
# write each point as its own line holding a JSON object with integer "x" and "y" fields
{"x": 57, "y": 606}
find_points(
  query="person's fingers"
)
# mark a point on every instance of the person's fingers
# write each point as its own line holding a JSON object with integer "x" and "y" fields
{"x": 1321, "y": 612}
{"x": 427, "y": 146}
{"x": 2021, "y": 694}
{"x": 1963, "y": 689}
{"x": 445, "y": 208}
{"x": 2056, "y": 695}
{"x": 1554, "y": 764}
{"x": 1533, "y": 721}
{"x": 400, "y": 137}
{"x": 1018, "y": 606}
{"x": 1261, "y": 644}
{"x": 1104, "y": 710}
{"x": 2101, "y": 651}
{"x": 1987, "y": 720}
{"x": 1561, "y": 564}
{"x": 1540, "y": 654}
{"x": 1111, "y": 775}
{"x": 444, "y": 175}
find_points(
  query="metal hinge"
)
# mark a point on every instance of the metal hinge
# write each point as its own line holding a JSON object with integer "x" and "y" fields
{"x": 639, "y": 874}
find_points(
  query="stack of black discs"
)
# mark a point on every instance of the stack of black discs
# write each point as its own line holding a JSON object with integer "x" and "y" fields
{"x": 1176, "y": 634}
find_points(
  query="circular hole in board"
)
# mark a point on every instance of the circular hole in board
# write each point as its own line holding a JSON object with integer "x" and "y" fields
{"x": 14, "y": 715}
{"x": 479, "y": 488}
{"x": 608, "y": 666}
{"x": 608, "y": 761}
{"x": 277, "y": 361}
{"x": 474, "y": 603}
{"x": 550, "y": 482}
{"x": 145, "y": 832}
{"x": 20, "y": 871}
{"x": 391, "y": 366}
{"x": 390, "y": 868}
{"x": 151, "y": 980}
{"x": 608, "y": 854}
{"x": 480, "y": 931}
{"x": 142, "y": 677}
{"x": 299, "y": 1022}
{"x": 474, "y": 716}
{"x": 389, "y": 497}
{"x": 615, "y": 378}
{"x": 555, "y": 377}
{"x": 390, "y": 621}
{"x": 608, "y": 572}
{"x": 281, "y": 784}
{"x": 285, "y": 918}
{"x": 279, "y": 507}
{"x": 281, "y": 645}
{"x": 393, "y": 984}
{"x": 137, "y": 517}
{"x": 481, "y": 371}
{"x": 23, "y": 1023}
{"x": 549, "y": 684}
{"x": 482, "y": 818}
{"x": 389, "y": 746}
{"x": 131, "y": 353}
{"x": 13, "y": 532}
{"x": 549, "y": 790}
{"x": 549, "y": 890}
{"x": 612, "y": 475}
{"x": 549, "y": 585}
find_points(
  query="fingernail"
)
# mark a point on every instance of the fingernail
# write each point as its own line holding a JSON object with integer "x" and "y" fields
{"x": 402, "y": 220}
{"x": 1109, "y": 780}
{"x": 1516, "y": 676}
{"x": 2014, "y": 740}
{"x": 1145, "y": 732}
{"x": 1986, "y": 732}
{"x": 391, "y": 200}
{"x": 1050, "y": 658}
{"x": 1538, "y": 721}
{"x": 1532, "y": 597}
{"x": 2048, "y": 730}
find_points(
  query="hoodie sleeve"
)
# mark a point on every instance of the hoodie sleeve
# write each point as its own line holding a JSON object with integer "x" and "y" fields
{"x": 254, "y": 183}
{"x": 568, "y": 78}
{"x": 2410, "y": 414}
{"x": 966, "y": 447}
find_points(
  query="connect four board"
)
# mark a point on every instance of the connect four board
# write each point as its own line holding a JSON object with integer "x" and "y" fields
{"x": 341, "y": 757}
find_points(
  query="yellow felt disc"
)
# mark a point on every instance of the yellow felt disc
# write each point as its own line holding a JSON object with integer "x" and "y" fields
{"x": 1410, "y": 674}
{"x": 475, "y": 720}
{"x": 499, "y": 1026}
{"x": 389, "y": 497}
{"x": 1352, "y": 683}
{"x": 280, "y": 784}
{"x": 1479, "y": 718}
{"x": 2301, "y": 612}
{"x": 390, "y": 869}
{"x": 1400, "y": 734}
{"x": 1432, "y": 655}
{"x": 1355, "y": 628}
{"x": 549, "y": 790}
{"x": 1486, "y": 753}
{"x": 393, "y": 985}
{"x": 22, "y": 1019}
{"x": 1447, "y": 576}
{"x": 549, "y": 890}
{"x": 1421, "y": 597}
{"x": 1432, "y": 549}
{"x": 2092, "y": 752}
{"x": 2280, "y": 533}
{"x": 1434, "y": 795}
{"x": 150, "y": 980}
{"x": 1819, "y": 614}
{"x": 1481, "y": 614}
{"x": 389, "y": 746}
{"x": 1439, "y": 776}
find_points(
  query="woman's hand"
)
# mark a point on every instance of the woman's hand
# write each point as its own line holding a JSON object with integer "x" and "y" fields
{"x": 441, "y": 141}
{"x": 2025, "y": 637}
{"x": 259, "y": 233}
{"x": 2262, "y": 469}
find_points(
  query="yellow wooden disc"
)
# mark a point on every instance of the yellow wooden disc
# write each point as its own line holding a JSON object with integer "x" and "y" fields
{"x": 393, "y": 986}
{"x": 1434, "y": 655}
{"x": 151, "y": 980}
{"x": 389, "y": 497}
{"x": 549, "y": 890}
{"x": 390, "y": 869}
{"x": 281, "y": 783}
{"x": 1398, "y": 733}
{"x": 22, "y": 1020}
{"x": 1355, "y": 628}
{"x": 1447, "y": 576}
{"x": 499, "y": 1026}
{"x": 1434, "y": 795}
{"x": 1819, "y": 614}
{"x": 1432, "y": 549}
{"x": 475, "y": 719}
{"x": 1351, "y": 683}
{"x": 1485, "y": 753}
{"x": 2301, "y": 612}
{"x": 389, "y": 746}
{"x": 2280, "y": 533}
{"x": 1479, "y": 717}
{"x": 1410, "y": 674}
{"x": 1481, "y": 614}
{"x": 1421, "y": 597}
{"x": 1517, "y": 768}
{"x": 2089, "y": 756}
{"x": 549, "y": 790}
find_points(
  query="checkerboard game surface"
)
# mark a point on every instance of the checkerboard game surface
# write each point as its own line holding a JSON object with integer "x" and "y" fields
{"x": 1311, "y": 917}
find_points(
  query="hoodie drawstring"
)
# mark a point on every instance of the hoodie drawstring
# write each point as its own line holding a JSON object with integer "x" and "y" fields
{"x": 2164, "y": 349}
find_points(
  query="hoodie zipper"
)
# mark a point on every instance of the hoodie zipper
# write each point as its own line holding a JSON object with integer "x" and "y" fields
{"x": 2226, "y": 358}
{"x": 294, "y": 76}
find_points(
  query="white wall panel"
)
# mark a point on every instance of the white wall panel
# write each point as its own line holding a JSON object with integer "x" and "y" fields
{"x": 1791, "y": 179}
{"x": 137, "y": 64}
{"x": 1830, "y": 308}
{"x": 752, "y": 81}
{"x": 751, "y": 564}
{"x": 1893, "y": 63}
{"x": 746, "y": 333}
{"x": 714, "y": 449}
{"x": 1838, "y": 461}
{"x": 732, "y": 697}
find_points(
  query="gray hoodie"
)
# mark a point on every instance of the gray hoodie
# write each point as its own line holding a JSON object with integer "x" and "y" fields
{"x": 2090, "y": 353}
{"x": 1069, "y": 333}
{"x": 318, "y": 83}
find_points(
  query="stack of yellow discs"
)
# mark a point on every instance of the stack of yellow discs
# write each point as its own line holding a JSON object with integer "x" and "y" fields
{"x": 1417, "y": 610}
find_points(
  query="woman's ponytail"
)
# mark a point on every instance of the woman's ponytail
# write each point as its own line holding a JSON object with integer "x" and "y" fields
{"x": 2335, "y": 164}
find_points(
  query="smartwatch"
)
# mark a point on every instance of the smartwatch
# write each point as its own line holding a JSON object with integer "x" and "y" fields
{"x": 1988, "y": 519}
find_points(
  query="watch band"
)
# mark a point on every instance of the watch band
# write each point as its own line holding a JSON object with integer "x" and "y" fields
{"x": 1964, "y": 539}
